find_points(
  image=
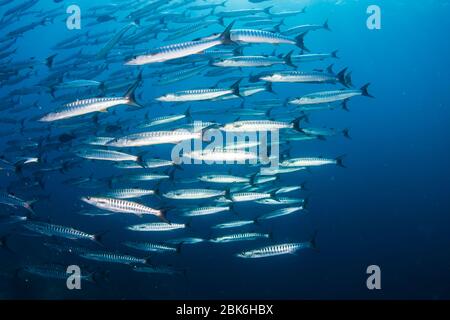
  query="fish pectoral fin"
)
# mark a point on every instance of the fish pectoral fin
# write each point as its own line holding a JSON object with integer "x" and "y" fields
{"x": 103, "y": 110}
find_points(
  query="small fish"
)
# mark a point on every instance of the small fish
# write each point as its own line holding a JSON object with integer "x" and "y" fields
{"x": 312, "y": 162}
{"x": 60, "y": 231}
{"x": 240, "y": 237}
{"x": 192, "y": 194}
{"x": 278, "y": 249}
{"x": 331, "y": 96}
{"x": 123, "y": 206}
{"x": 151, "y": 247}
{"x": 110, "y": 257}
{"x": 156, "y": 226}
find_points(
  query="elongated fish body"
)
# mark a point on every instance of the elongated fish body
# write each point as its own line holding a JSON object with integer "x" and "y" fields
{"x": 122, "y": 206}
{"x": 204, "y": 211}
{"x": 255, "y": 125}
{"x": 248, "y": 61}
{"x": 105, "y": 155}
{"x": 98, "y": 141}
{"x": 156, "y": 227}
{"x": 181, "y": 50}
{"x": 147, "y": 177}
{"x": 233, "y": 224}
{"x": 163, "y": 120}
{"x": 310, "y": 57}
{"x": 157, "y": 270}
{"x": 240, "y": 237}
{"x": 281, "y": 201}
{"x": 113, "y": 258}
{"x": 51, "y": 271}
{"x": 330, "y": 96}
{"x": 58, "y": 231}
{"x": 129, "y": 193}
{"x": 13, "y": 201}
{"x": 223, "y": 178}
{"x": 308, "y": 162}
{"x": 78, "y": 84}
{"x": 305, "y": 28}
{"x": 242, "y": 145}
{"x": 82, "y": 107}
{"x": 186, "y": 240}
{"x": 276, "y": 250}
{"x": 174, "y": 51}
{"x": 154, "y": 137}
{"x": 279, "y": 213}
{"x": 195, "y": 95}
{"x": 259, "y": 36}
{"x": 301, "y": 76}
{"x": 248, "y": 196}
{"x": 193, "y": 194}
{"x": 221, "y": 155}
{"x": 150, "y": 247}
{"x": 181, "y": 75}
{"x": 240, "y": 12}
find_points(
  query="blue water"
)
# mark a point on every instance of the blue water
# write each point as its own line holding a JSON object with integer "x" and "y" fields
{"x": 390, "y": 207}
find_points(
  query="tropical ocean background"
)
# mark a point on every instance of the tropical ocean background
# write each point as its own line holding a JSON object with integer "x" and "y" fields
{"x": 390, "y": 207}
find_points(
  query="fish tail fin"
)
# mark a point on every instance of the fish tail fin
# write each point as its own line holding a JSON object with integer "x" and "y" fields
{"x": 188, "y": 114}
{"x": 341, "y": 77}
{"x": 269, "y": 88}
{"x": 49, "y": 60}
{"x": 326, "y": 26}
{"x": 340, "y": 161}
{"x": 140, "y": 160}
{"x": 267, "y": 10}
{"x": 178, "y": 247}
{"x": 346, "y": 133}
{"x": 147, "y": 260}
{"x": 300, "y": 41}
{"x": 303, "y": 185}
{"x": 225, "y": 36}
{"x": 236, "y": 89}
{"x": 330, "y": 68}
{"x": 345, "y": 105}
{"x": 313, "y": 241}
{"x": 221, "y": 21}
{"x": 334, "y": 54}
{"x": 348, "y": 80}
{"x": 296, "y": 123}
{"x": 288, "y": 59}
{"x": 365, "y": 92}
{"x": 98, "y": 237}
{"x": 4, "y": 243}
{"x": 29, "y": 206}
{"x": 102, "y": 88}
{"x": 130, "y": 94}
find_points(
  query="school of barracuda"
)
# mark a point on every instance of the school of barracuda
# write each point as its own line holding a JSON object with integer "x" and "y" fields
{"x": 92, "y": 106}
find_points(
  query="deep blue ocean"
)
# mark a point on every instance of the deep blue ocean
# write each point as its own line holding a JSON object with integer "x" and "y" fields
{"x": 389, "y": 207}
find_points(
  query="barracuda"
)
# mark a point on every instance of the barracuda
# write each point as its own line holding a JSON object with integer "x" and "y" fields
{"x": 241, "y": 237}
{"x": 123, "y": 206}
{"x": 312, "y": 162}
{"x": 200, "y": 94}
{"x": 331, "y": 96}
{"x": 249, "y": 61}
{"x": 150, "y": 247}
{"x": 261, "y": 125}
{"x": 221, "y": 155}
{"x": 233, "y": 224}
{"x": 192, "y": 194}
{"x": 154, "y": 138}
{"x": 129, "y": 193}
{"x": 113, "y": 258}
{"x": 261, "y": 36}
{"x": 204, "y": 211}
{"x": 279, "y": 213}
{"x": 180, "y": 50}
{"x": 60, "y": 231}
{"x": 307, "y": 77}
{"x": 156, "y": 226}
{"x": 278, "y": 249}
{"x": 223, "y": 178}
{"x": 106, "y": 155}
{"x": 87, "y": 106}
